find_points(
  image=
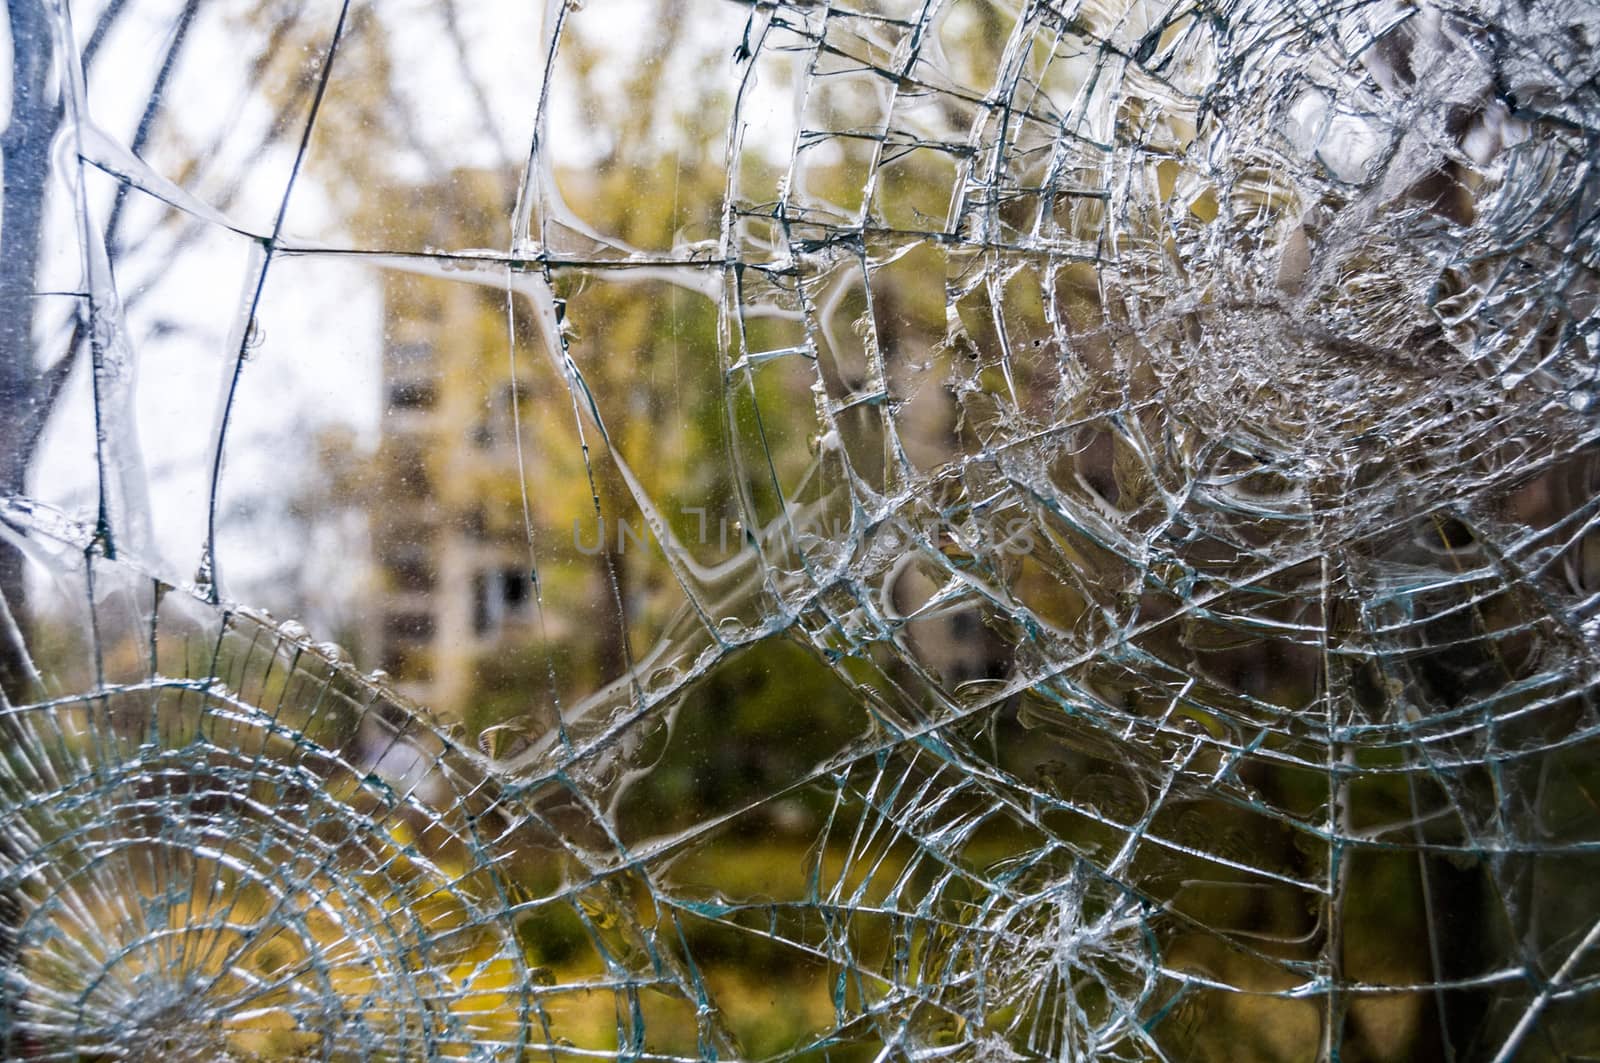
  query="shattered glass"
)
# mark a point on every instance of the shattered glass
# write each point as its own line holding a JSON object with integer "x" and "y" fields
{"x": 868, "y": 529}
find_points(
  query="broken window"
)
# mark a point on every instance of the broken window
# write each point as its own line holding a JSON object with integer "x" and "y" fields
{"x": 759, "y": 530}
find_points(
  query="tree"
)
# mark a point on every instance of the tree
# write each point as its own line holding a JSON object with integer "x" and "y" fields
{"x": 33, "y": 377}
{"x": 32, "y": 380}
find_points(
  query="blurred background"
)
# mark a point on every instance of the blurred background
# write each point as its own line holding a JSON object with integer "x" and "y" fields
{"x": 963, "y": 528}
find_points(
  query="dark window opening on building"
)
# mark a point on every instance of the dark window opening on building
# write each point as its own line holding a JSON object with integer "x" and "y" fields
{"x": 412, "y": 395}
{"x": 410, "y": 571}
{"x": 415, "y": 627}
{"x": 483, "y": 619}
{"x": 411, "y": 474}
{"x": 514, "y": 589}
{"x": 498, "y": 596}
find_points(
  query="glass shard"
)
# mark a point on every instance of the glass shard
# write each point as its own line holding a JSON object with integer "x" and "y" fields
{"x": 856, "y": 530}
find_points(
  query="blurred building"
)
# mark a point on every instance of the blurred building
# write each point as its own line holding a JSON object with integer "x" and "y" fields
{"x": 452, "y": 583}
{"x": 456, "y": 625}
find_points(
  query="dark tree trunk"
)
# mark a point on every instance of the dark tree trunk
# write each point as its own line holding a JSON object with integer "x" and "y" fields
{"x": 25, "y": 156}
